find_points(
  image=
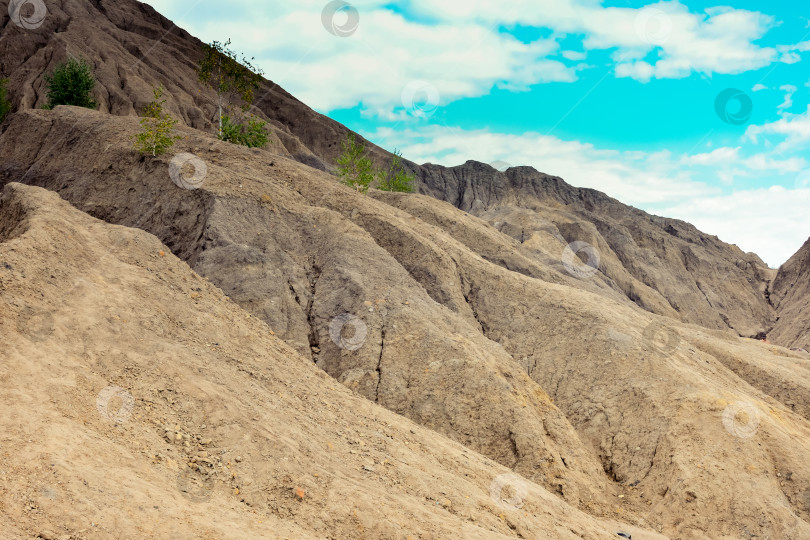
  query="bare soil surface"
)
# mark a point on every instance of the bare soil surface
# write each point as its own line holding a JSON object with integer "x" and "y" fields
{"x": 146, "y": 404}
{"x": 623, "y": 415}
{"x": 228, "y": 343}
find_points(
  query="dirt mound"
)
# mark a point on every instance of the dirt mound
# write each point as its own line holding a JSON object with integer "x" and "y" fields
{"x": 791, "y": 291}
{"x": 664, "y": 266}
{"x": 585, "y": 345}
{"x": 650, "y": 421}
{"x": 147, "y": 404}
{"x": 259, "y": 229}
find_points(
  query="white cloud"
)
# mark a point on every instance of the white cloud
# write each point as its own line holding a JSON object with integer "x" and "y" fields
{"x": 789, "y": 54}
{"x": 794, "y": 129}
{"x": 764, "y": 162}
{"x": 575, "y": 56}
{"x": 719, "y": 157}
{"x": 373, "y": 65}
{"x": 772, "y": 222}
{"x": 789, "y": 90}
{"x": 641, "y": 71}
{"x": 720, "y": 40}
{"x": 757, "y": 87}
{"x": 790, "y": 58}
{"x": 456, "y": 45}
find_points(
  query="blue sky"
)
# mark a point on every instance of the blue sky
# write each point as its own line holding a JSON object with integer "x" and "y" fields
{"x": 620, "y": 96}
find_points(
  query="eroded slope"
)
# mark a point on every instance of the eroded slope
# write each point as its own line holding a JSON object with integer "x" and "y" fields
{"x": 666, "y": 423}
{"x": 142, "y": 402}
{"x": 791, "y": 291}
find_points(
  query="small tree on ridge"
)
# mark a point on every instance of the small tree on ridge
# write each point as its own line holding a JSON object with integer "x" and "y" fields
{"x": 355, "y": 168}
{"x": 158, "y": 128}
{"x": 229, "y": 76}
{"x": 395, "y": 178}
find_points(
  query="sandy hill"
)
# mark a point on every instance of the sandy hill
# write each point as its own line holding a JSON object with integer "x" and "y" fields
{"x": 149, "y": 405}
{"x": 619, "y": 393}
{"x": 622, "y": 414}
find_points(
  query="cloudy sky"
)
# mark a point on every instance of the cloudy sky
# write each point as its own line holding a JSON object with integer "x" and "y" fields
{"x": 696, "y": 110}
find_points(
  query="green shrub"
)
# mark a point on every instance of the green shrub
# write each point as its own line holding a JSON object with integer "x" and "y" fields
{"x": 354, "y": 166}
{"x": 157, "y": 136}
{"x": 253, "y": 134}
{"x": 71, "y": 84}
{"x": 5, "y": 104}
{"x": 395, "y": 178}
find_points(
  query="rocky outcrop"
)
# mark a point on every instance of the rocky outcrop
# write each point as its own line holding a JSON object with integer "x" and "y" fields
{"x": 665, "y": 266}
{"x": 790, "y": 294}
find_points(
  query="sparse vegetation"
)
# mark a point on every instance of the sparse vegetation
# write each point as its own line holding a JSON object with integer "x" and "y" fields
{"x": 5, "y": 104}
{"x": 71, "y": 83}
{"x": 356, "y": 170}
{"x": 395, "y": 178}
{"x": 157, "y": 136}
{"x": 251, "y": 133}
{"x": 355, "y": 167}
{"x": 232, "y": 76}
